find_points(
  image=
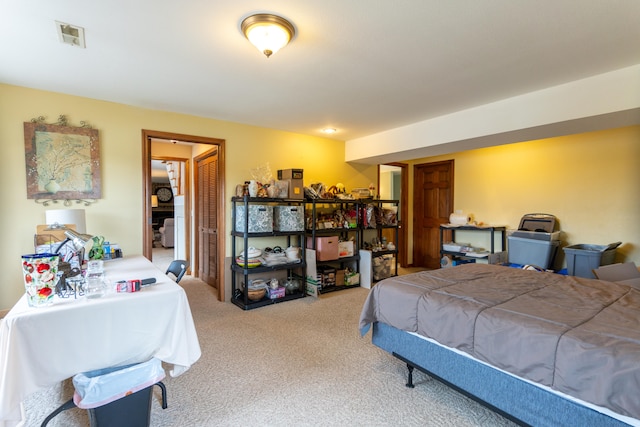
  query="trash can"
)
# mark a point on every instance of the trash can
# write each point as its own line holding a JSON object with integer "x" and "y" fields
{"x": 582, "y": 259}
{"x": 118, "y": 396}
{"x": 134, "y": 410}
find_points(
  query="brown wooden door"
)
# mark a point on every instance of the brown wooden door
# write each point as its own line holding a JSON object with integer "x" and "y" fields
{"x": 432, "y": 205}
{"x": 207, "y": 218}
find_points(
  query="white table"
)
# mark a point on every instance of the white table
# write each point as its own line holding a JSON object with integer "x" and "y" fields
{"x": 40, "y": 347}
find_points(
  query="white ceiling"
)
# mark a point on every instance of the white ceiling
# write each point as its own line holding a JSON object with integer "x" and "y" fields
{"x": 361, "y": 66}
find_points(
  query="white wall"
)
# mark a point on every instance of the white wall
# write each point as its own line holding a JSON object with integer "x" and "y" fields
{"x": 605, "y": 101}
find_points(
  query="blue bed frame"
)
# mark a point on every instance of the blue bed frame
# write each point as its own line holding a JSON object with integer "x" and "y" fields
{"x": 517, "y": 400}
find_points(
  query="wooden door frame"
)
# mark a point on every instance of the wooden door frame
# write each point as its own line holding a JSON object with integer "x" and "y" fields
{"x": 404, "y": 211}
{"x": 147, "y": 231}
{"x": 452, "y": 175}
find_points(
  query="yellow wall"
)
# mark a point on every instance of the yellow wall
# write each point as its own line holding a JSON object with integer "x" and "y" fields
{"x": 588, "y": 181}
{"x": 118, "y": 215}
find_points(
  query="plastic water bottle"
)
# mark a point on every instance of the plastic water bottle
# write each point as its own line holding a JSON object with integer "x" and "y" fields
{"x": 95, "y": 286}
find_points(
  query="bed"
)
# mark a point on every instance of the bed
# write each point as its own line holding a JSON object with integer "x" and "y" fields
{"x": 542, "y": 349}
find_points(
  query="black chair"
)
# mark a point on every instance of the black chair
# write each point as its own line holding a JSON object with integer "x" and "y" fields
{"x": 177, "y": 267}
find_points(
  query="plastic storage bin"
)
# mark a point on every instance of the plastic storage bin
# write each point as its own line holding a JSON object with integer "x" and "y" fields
{"x": 540, "y": 253}
{"x": 582, "y": 259}
{"x": 539, "y": 223}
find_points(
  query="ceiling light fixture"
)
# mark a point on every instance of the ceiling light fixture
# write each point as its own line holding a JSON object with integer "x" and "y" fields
{"x": 269, "y": 33}
{"x": 329, "y": 131}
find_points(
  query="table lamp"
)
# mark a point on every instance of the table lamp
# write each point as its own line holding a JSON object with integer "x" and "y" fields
{"x": 78, "y": 240}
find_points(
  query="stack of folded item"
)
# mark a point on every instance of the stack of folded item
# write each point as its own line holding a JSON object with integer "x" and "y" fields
{"x": 275, "y": 258}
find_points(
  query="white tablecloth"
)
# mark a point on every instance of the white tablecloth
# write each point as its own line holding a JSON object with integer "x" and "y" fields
{"x": 40, "y": 347}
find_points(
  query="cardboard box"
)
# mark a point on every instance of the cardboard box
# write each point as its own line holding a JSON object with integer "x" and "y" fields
{"x": 340, "y": 277}
{"x": 312, "y": 289}
{"x": 625, "y": 273}
{"x": 327, "y": 275}
{"x": 352, "y": 279}
{"x": 295, "y": 182}
{"x": 290, "y": 173}
{"x": 276, "y": 293}
{"x": 48, "y": 239}
{"x": 55, "y": 234}
{"x": 360, "y": 193}
{"x": 345, "y": 249}
{"x": 498, "y": 258}
{"x": 326, "y": 247}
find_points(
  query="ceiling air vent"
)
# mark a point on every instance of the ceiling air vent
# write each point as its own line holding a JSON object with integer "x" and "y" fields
{"x": 70, "y": 34}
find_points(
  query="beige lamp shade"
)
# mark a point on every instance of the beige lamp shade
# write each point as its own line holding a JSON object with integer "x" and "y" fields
{"x": 154, "y": 201}
{"x": 67, "y": 216}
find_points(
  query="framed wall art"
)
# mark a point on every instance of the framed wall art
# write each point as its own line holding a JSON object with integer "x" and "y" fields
{"x": 62, "y": 161}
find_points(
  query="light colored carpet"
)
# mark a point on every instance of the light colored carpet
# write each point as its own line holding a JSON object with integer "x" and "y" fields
{"x": 162, "y": 257}
{"x": 299, "y": 363}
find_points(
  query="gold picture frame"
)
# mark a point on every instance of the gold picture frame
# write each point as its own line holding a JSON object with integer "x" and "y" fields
{"x": 62, "y": 161}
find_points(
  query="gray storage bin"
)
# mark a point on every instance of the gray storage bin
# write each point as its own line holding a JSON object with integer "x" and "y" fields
{"x": 537, "y": 235}
{"x": 540, "y": 253}
{"x": 582, "y": 259}
{"x": 538, "y": 222}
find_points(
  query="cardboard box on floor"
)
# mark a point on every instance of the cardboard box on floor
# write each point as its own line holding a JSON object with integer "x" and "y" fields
{"x": 626, "y": 273}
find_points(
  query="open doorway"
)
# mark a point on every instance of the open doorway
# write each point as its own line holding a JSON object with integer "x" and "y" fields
{"x": 170, "y": 224}
{"x": 196, "y": 145}
{"x": 393, "y": 184}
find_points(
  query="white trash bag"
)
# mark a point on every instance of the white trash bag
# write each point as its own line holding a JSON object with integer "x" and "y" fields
{"x": 103, "y": 386}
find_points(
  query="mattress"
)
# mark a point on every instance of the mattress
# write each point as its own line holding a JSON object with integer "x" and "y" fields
{"x": 578, "y": 336}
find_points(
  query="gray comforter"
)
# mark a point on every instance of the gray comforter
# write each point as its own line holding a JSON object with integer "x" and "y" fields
{"x": 578, "y": 336}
